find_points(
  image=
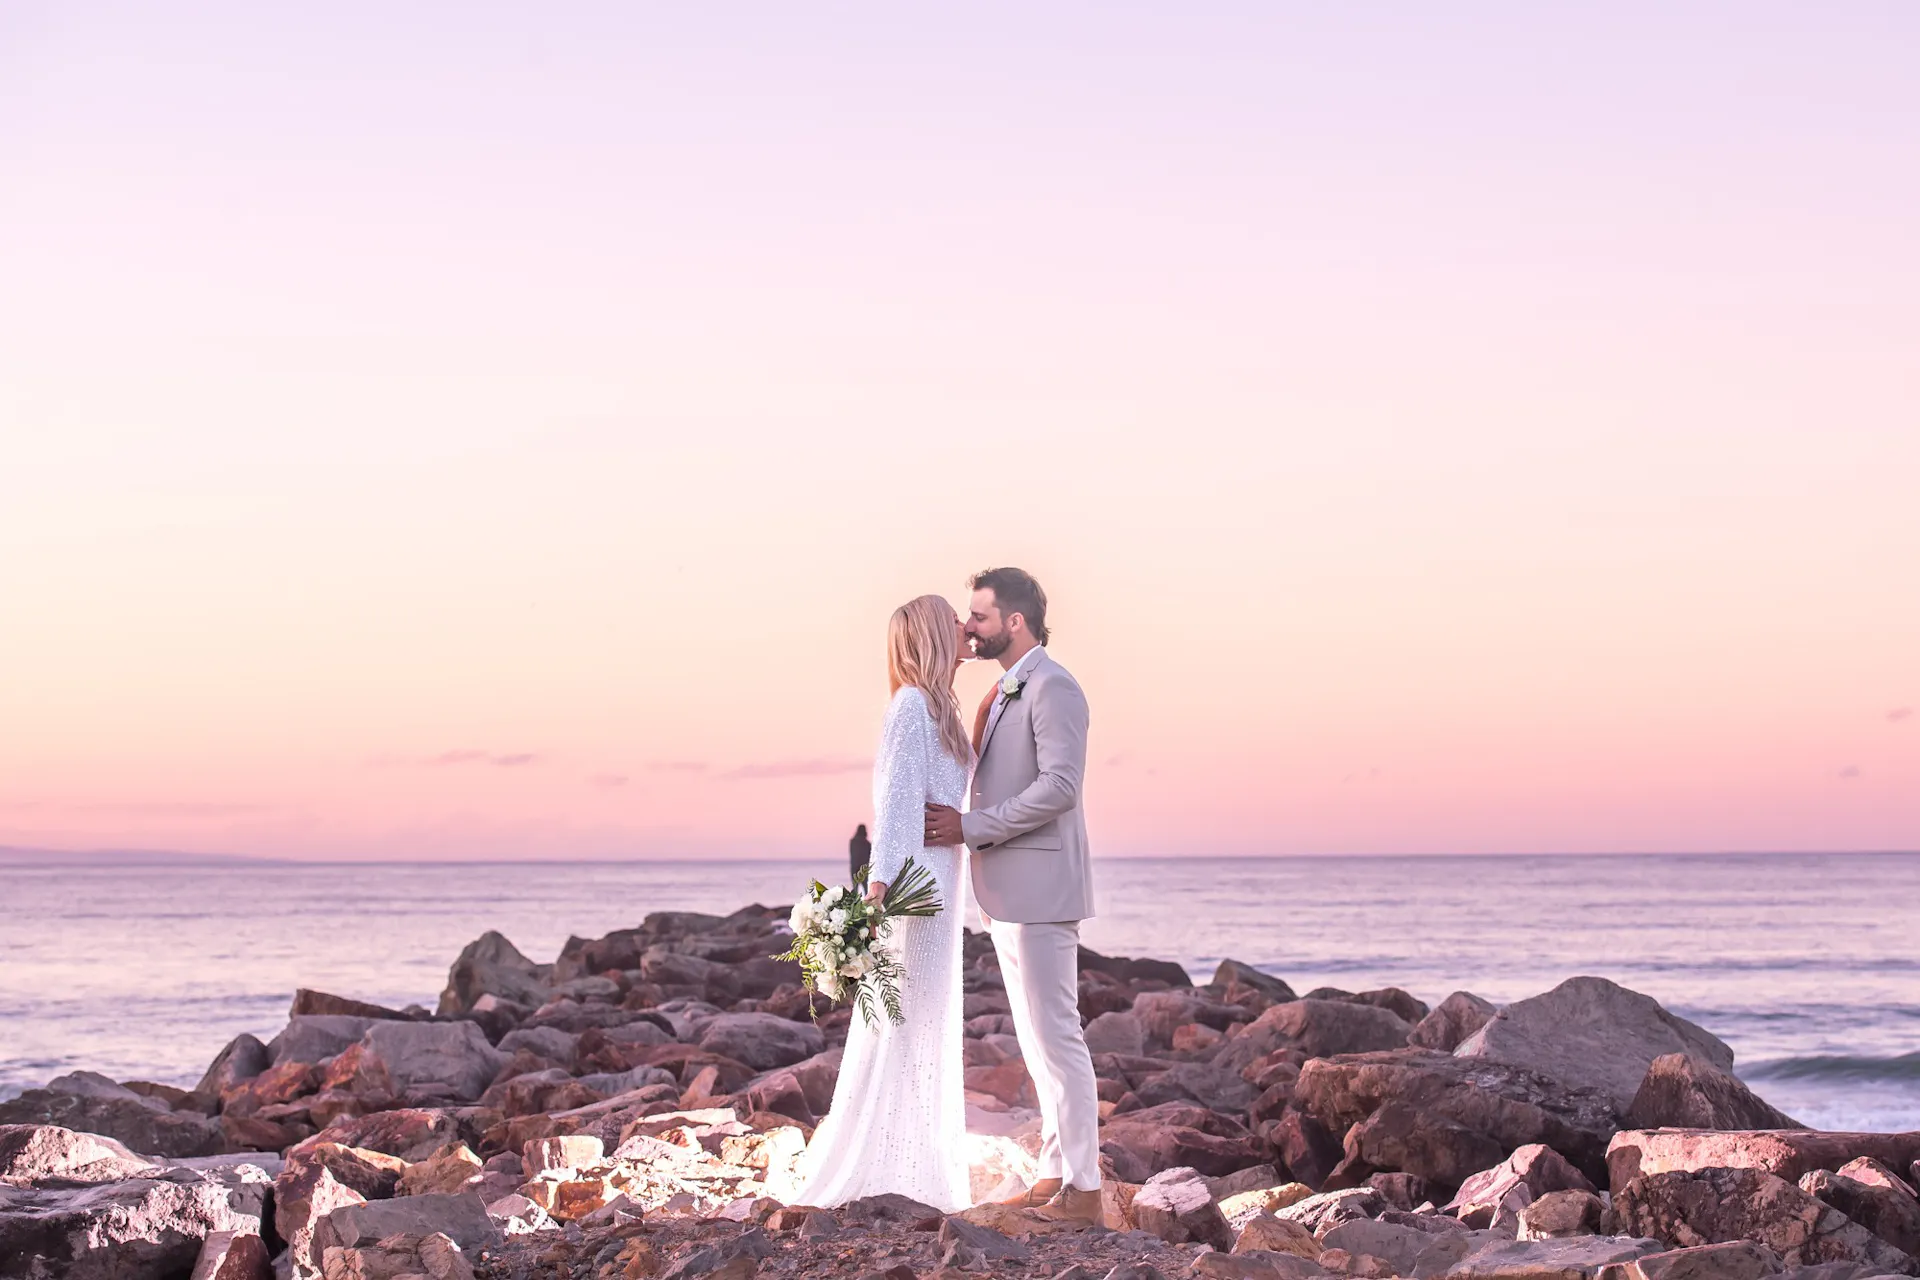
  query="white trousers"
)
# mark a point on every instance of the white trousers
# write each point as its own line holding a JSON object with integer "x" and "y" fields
{"x": 1040, "y": 964}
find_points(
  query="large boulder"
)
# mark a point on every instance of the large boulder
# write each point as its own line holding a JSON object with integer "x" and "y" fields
{"x": 1734, "y": 1260}
{"x": 143, "y": 1228}
{"x": 1117, "y": 1031}
{"x": 243, "y": 1059}
{"x": 434, "y": 1059}
{"x": 1682, "y": 1092}
{"x": 462, "y": 1218}
{"x": 1176, "y": 1205}
{"x": 1509, "y": 1105}
{"x": 1232, "y": 973}
{"x": 1710, "y": 1206}
{"x": 31, "y": 1153}
{"x": 315, "y": 1037}
{"x": 90, "y": 1103}
{"x": 411, "y": 1133}
{"x": 1452, "y": 1021}
{"x": 1890, "y": 1213}
{"x": 761, "y": 1040}
{"x": 1533, "y": 1171}
{"x": 491, "y": 965}
{"x": 1315, "y": 1029}
{"x": 1592, "y": 1033}
{"x": 1175, "y": 1134}
{"x": 1570, "y": 1258}
{"x": 1401, "y": 1138}
{"x": 1785, "y": 1153}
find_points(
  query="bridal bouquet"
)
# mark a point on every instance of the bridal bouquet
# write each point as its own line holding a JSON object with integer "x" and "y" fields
{"x": 836, "y": 932}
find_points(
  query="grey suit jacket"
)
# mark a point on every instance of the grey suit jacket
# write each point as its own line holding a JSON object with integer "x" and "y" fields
{"x": 1025, "y": 826}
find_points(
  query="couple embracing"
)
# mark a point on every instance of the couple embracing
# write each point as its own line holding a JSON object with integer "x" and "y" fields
{"x": 898, "y": 1120}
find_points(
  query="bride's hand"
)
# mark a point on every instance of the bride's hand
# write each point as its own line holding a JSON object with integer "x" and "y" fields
{"x": 876, "y": 893}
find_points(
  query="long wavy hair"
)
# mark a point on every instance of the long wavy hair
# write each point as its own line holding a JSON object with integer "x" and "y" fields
{"x": 922, "y": 651}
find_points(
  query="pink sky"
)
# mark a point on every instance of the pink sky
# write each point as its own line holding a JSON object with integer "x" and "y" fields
{"x": 481, "y": 432}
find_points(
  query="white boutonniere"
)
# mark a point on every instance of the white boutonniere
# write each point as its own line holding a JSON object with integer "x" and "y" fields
{"x": 1011, "y": 686}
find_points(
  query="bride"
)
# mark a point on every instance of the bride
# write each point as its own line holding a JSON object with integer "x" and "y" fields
{"x": 898, "y": 1120}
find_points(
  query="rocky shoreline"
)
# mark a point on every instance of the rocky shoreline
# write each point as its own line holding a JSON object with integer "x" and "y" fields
{"x": 628, "y": 1110}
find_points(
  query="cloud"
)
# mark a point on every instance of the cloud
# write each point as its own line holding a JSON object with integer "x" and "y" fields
{"x": 608, "y": 781}
{"x": 1851, "y": 772}
{"x": 503, "y": 760}
{"x": 679, "y": 766}
{"x": 1900, "y": 713}
{"x": 797, "y": 769}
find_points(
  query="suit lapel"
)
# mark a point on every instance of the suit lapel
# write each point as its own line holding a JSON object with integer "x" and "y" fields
{"x": 998, "y": 710}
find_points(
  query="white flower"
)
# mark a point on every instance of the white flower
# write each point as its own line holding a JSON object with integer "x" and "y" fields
{"x": 836, "y": 921}
{"x": 832, "y": 896}
{"x": 801, "y": 919}
{"x": 1010, "y": 685}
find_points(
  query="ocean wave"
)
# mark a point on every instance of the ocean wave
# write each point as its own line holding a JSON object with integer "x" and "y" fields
{"x": 1837, "y": 1066}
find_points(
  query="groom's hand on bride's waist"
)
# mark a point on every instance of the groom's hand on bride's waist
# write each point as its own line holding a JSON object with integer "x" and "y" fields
{"x": 943, "y": 826}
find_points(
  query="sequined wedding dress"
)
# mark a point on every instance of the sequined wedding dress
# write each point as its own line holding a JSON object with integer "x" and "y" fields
{"x": 898, "y": 1120}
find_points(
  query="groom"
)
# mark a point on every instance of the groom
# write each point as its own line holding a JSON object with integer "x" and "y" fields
{"x": 1031, "y": 875}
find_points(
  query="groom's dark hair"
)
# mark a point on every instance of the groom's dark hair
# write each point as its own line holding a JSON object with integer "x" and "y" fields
{"x": 1015, "y": 591}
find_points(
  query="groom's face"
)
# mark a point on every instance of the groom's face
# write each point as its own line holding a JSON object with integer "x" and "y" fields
{"x": 986, "y": 629}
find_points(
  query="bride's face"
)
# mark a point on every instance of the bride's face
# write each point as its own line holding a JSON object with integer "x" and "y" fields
{"x": 960, "y": 651}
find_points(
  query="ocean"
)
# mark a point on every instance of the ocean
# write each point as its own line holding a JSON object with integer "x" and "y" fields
{"x": 1806, "y": 964}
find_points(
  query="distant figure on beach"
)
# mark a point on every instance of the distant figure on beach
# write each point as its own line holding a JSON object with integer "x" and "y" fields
{"x": 859, "y": 852}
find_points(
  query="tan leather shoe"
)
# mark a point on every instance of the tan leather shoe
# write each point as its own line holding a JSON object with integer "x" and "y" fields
{"x": 1034, "y": 1196}
{"x": 1073, "y": 1206}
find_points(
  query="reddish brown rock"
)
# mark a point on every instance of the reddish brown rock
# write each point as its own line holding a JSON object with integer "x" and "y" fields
{"x": 1009, "y": 1082}
{"x": 1176, "y": 1206}
{"x": 233, "y": 1255}
{"x": 408, "y": 1132}
{"x": 1786, "y": 1153}
{"x": 1562, "y": 1213}
{"x": 1716, "y": 1205}
{"x": 1889, "y": 1213}
{"x": 1682, "y": 1092}
{"x": 1451, "y": 1022}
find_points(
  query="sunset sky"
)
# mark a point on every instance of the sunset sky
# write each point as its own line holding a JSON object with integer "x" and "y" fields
{"x": 501, "y": 431}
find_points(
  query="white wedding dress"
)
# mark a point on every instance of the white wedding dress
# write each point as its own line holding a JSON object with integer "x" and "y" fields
{"x": 898, "y": 1120}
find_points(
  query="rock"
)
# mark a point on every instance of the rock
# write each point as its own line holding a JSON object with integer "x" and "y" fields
{"x": 31, "y": 1153}
{"x": 434, "y": 1059}
{"x": 1786, "y": 1153}
{"x": 761, "y": 1040}
{"x": 232, "y": 1255}
{"x": 1398, "y": 1246}
{"x": 143, "y": 1228}
{"x": 1171, "y": 1135}
{"x": 1888, "y": 1213}
{"x": 1710, "y": 1206}
{"x": 1423, "y": 1143}
{"x": 1161, "y": 1013}
{"x": 1682, "y": 1092}
{"x": 1176, "y": 1206}
{"x": 1562, "y": 1213}
{"x": 306, "y": 1001}
{"x": 1306, "y": 1148}
{"x": 461, "y": 1218}
{"x": 243, "y": 1058}
{"x": 89, "y": 1103}
{"x": 1592, "y": 1033}
{"x": 1537, "y": 1169}
{"x": 573, "y": 1151}
{"x": 491, "y": 965}
{"x": 1573, "y": 1258}
{"x": 1510, "y": 1105}
{"x": 272, "y": 1087}
{"x": 453, "y": 1169}
{"x": 1259, "y": 1177}
{"x": 304, "y": 1193}
{"x": 400, "y": 1257}
{"x": 1232, "y": 973}
{"x": 411, "y": 1133}
{"x": 1875, "y": 1174}
{"x": 1733, "y": 1260}
{"x": 1401, "y": 1190}
{"x": 1255, "y": 1264}
{"x": 315, "y": 1037}
{"x": 1263, "y": 1232}
{"x": 550, "y": 1043}
{"x": 1117, "y": 1032}
{"x": 1243, "y": 1207}
{"x": 1330, "y": 1208}
{"x": 1210, "y": 1086}
{"x": 988, "y": 1243}
{"x": 1316, "y": 1029}
{"x": 1395, "y": 1001}
{"x": 1452, "y": 1021}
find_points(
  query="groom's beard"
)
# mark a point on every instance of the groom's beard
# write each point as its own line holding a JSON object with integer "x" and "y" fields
{"x": 991, "y": 646}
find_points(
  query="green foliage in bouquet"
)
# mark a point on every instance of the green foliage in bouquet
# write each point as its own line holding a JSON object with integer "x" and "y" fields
{"x": 836, "y": 934}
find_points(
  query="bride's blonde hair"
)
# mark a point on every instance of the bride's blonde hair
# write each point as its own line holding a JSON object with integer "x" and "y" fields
{"x": 922, "y": 652}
